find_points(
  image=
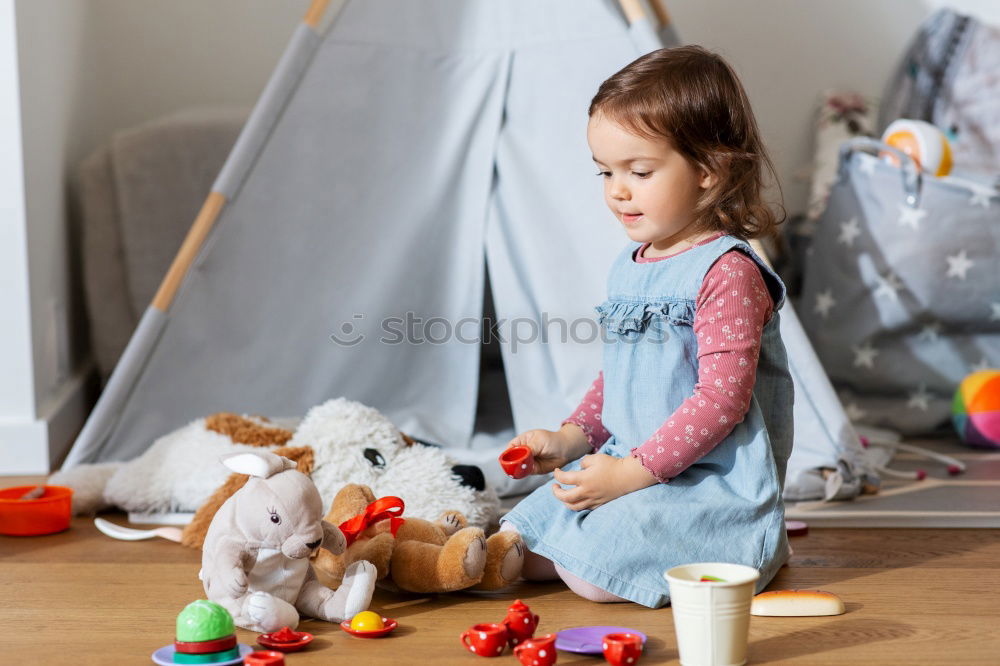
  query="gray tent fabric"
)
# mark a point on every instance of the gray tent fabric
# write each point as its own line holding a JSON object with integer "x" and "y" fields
{"x": 385, "y": 159}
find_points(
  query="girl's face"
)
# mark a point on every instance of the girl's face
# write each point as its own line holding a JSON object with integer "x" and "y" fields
{"x": 650, "y": 187}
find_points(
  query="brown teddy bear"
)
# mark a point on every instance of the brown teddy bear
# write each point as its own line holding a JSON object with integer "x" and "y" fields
{"x": 417, "y": 555}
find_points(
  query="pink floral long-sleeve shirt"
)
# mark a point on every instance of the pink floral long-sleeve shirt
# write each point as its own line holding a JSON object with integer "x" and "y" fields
{"x": 732, "y": 307}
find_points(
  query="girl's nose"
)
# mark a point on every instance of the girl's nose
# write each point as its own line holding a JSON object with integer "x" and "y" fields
{"x": 619, "y": 191}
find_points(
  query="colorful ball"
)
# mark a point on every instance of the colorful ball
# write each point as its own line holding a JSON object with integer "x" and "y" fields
{"x": 975, "y": 411}
{"x": 922, "y": 141}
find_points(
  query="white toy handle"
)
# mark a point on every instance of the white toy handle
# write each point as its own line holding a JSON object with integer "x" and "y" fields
{"x": 912, "y": 177}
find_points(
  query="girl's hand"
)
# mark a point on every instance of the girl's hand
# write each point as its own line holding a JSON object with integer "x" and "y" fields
{"x": 601, "y": 478}
{"x": 553, "y": 449}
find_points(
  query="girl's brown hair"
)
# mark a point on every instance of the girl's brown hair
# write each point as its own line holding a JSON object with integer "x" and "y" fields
{"x": 692, "y": 98}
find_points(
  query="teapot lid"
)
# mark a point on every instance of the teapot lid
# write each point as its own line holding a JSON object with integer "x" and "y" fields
{"x": 518, "y": 607}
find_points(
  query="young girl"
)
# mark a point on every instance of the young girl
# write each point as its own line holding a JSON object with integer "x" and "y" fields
{"x": 689, "y": 426}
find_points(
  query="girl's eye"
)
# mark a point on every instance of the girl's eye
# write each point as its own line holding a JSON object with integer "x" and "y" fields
{"x": 606, "y": 174}
{"x": 642, "y": 174}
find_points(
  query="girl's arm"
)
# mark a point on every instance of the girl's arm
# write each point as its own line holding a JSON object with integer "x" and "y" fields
{"x": 587, "y": 415}
{"x": 732, "y": 307}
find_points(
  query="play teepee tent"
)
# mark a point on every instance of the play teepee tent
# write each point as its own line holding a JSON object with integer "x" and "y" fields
{"x": 395, "y": 153}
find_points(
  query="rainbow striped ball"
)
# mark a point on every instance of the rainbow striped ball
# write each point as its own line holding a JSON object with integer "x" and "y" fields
{"x": 976, "y": 409}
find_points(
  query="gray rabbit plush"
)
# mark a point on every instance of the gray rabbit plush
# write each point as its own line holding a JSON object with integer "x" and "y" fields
{"x": 256, "y": 557}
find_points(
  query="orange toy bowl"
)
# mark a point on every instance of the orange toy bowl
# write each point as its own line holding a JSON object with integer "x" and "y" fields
{"x": 44, "y": 515}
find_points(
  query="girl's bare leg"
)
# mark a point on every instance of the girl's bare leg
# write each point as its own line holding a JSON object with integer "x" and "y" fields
{"x": 584, "y": 589}
{"x": 535, "y": 567}
{"x": 538, "y": 568}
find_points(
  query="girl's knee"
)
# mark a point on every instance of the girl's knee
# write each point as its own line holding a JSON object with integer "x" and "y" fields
{"x": 535, "y": 567}
{"x": 588, "y": 591}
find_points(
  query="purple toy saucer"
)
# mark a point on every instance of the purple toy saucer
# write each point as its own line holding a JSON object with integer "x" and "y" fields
{"x": 587, "y": 640}
{"x": 165, "y": 656}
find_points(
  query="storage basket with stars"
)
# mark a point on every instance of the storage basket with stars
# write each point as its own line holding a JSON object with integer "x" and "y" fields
{"x": 901, "y": 288}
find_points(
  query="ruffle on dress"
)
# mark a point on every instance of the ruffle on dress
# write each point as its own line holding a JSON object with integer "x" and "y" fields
{"x": 621, "y": 316}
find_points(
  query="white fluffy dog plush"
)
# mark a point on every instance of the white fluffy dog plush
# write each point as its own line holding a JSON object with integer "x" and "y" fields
{"x": 350, "y": 442}
{"x": 354, "y": 443}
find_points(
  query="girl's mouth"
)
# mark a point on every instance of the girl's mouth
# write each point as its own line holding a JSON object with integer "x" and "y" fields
{"x": 630, "y": 219}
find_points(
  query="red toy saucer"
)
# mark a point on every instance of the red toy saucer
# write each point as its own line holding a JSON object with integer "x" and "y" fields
{"x": 390, "y": 624}
{"x": 302, "y": 639}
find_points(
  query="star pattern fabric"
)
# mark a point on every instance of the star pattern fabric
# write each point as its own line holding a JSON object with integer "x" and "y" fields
{"x": 899, "y": 292}
{"x": 911, "y": 217}
{"x": 849, "y": 230}
{"x": 732, "y": 307}
{"x": 959, "y": 264}
{"x": 825, "y": 302}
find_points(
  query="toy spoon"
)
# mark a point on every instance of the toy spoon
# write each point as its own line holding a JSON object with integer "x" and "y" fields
{"x": 129, "y": 534}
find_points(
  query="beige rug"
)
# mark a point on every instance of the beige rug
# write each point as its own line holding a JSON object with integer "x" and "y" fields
{"x": 969, "y": 499}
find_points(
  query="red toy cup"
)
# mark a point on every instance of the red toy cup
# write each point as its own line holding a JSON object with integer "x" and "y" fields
{"x": 622, "y": 649}
{"x": 517, "y": 461}
{"x": 537, "y": 651}
{"x": 46, "y": 514}
{"x": 264, "y": 658}
{"x": 486, "y": 640}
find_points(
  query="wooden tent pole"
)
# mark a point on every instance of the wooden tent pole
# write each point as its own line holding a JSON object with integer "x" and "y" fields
{"x": 758, "y": 247}
{"x": 189, "y": 250}
{"x": 210, "y": 211}
{"x": 315, "y": 13}
{"x": 633, "y": 9}
{"x": 661, "y": 12}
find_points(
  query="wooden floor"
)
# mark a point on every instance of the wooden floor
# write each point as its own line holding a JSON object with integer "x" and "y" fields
{"x": 912, "y": 596}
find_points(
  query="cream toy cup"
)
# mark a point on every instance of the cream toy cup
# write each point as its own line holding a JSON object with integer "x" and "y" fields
{"x": 711, "y": 608}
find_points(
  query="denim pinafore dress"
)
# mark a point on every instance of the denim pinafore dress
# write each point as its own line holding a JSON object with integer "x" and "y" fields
{"x": 726, "y": 507}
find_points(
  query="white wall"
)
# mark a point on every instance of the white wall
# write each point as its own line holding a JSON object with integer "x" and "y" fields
{"x": 81, "y": 69}
{"x": 38, "y": 58}
{"x": 71, "y": 73}
{"x": 16, "y": 367}
{"x": 157, "y": 56}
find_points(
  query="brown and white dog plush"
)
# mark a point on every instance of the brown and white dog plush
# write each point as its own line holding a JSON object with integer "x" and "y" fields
{"x": 256, "y": 556}
{"x": 339, "y": 442}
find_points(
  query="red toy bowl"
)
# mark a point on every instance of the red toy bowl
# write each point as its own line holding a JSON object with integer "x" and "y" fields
{"x": 301, "y": 639}
{"x": 518, "y": 462}
{"x": 47, "y": 514}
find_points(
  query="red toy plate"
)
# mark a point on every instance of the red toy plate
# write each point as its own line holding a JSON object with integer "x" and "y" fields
{"x": 302, "y": 639}
{"x": 390, "y": 624}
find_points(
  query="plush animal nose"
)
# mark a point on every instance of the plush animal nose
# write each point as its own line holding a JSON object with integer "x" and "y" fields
{"x": 312, "y": 545}
{"x": 470, "y": 475}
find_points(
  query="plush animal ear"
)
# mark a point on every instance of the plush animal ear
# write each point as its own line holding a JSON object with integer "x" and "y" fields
{"x": 333, "y": 539}
{"x": 257, "y": 463}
